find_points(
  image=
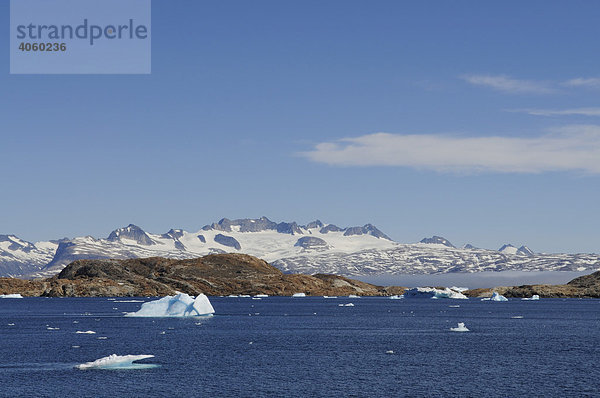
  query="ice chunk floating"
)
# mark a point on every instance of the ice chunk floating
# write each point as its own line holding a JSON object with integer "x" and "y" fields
{"x": 15, "y": 295}
{"x": 115, "y": 361}
{"x": 430, "y": 292}
{"x": 179, "y": 305}
{"x": 299, "y": 295}
{"x": 534, "y": 297}
{"x": 495, "y": 297}
{"x": 460, "y": 328}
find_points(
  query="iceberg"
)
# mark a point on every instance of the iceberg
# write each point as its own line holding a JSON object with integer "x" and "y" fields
{"x": 85, "y": 332}
{"x": 15, "y": 295}
{"x": 177, "y": 306}
{"x": 460, "y": 328}
{"x": 261, "y": 295}
{"x": 430, "y": 292}
{"x": 299, "y": 295}
{"x": 495, "y": 297}
{"x": 346, "y": 305}
{"x": 353, "y": 296}
{"x": 534, "y": 297}
{"x": 396, "y": 297}
{"x": 115, "y": 361}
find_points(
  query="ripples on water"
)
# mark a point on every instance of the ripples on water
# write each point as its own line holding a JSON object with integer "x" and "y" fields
{"x": 304, "y": 347}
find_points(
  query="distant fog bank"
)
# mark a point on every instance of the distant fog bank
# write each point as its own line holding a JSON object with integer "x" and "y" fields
{"x": 477, "y": 279}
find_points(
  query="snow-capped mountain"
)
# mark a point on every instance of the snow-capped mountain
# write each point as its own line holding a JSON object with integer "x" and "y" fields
{"x": 510, "y": 249}
{"x": 311, "y": 248}
{"x": 259, "y": 237}
{"x": 19, "y": 257}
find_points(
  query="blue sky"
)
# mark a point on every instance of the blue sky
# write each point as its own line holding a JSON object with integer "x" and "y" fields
{"x": 478, "y": 122}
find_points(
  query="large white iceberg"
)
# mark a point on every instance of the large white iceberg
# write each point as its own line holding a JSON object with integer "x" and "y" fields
{"x": 15, "y": 295}
{"x": 115, "y": 361}
{"x": 534, "y": 297}
{"x": 179, "y": 305}
{"x": 431, "y": 292}
{"x": 495, "y": 297}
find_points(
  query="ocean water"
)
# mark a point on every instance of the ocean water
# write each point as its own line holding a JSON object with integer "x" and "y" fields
{"x": 280, "y": 346}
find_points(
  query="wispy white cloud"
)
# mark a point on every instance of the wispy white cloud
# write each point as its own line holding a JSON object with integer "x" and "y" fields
{"x": 509, "y": 85}
{"x": 560, "y": 112}
{"x": 569, "y": 148}
{"x": 593, "y": 82}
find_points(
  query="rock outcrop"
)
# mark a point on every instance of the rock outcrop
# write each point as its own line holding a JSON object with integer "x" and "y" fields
{"x": 219, "y": 274}
{"x": 587, "y": 286}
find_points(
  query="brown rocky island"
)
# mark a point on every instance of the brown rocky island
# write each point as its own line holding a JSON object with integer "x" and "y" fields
{"x": 217, "y": 274}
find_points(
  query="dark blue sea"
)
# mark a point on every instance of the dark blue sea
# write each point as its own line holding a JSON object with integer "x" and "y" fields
{"x": 309, "y": 347}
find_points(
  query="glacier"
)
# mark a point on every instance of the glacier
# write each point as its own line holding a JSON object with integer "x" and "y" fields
{"x": 115, "y": 361}
{"x": 431, "y": 292}
{"x": 180, "y": 305}
{"x": 495, "y": 297}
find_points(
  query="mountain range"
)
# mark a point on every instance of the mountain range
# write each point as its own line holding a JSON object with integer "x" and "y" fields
{"x": 312, "y": 248}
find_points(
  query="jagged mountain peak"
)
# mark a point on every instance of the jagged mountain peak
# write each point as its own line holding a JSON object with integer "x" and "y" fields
{"x": 524, "y": 250}
{"x": 513, "y": 250}
{"x": 437, "y": 240}
{"x": 131, "y": 232}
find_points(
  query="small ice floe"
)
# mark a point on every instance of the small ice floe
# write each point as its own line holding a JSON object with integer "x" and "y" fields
{"x": 85, "y": 332}
{"x": 517, "y": 317}
{"x": 346, "y": 305}
{"x": 75, "y": 346}
{"x": 75, "y": 321}
{"x": 251, "y": 343}
{"x": 389, "y": 352}
{"x": 495, "y": 297}
{"x": 460, "y": 328}
{"x": 396, "y": 297}
{"x": 13, "y": 295}
{"x": 299, "y": 295}
{"x": 532, "y": 298}
{"x": 454, "y": 306}
{"x": 330, "y": 297}
{"x": 115, "y": 361}
{"x": 129, "y": 301}
{"x": 233, "y": 296}
{"x": 102, "y": 338}
{"x": 261, "y": 295}
{"x": 256, "y": 298}
{"x": 163, "y": 332}
{"x": 11, "y": 324}
{"x": 51, "y": 328}
{"x": 181, "y": 305}
{"x": 431, "y": 292}
{"x": 353, "y": 296}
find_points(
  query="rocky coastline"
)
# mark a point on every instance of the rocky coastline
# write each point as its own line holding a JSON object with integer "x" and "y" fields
{"x": 215, "y": 275}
